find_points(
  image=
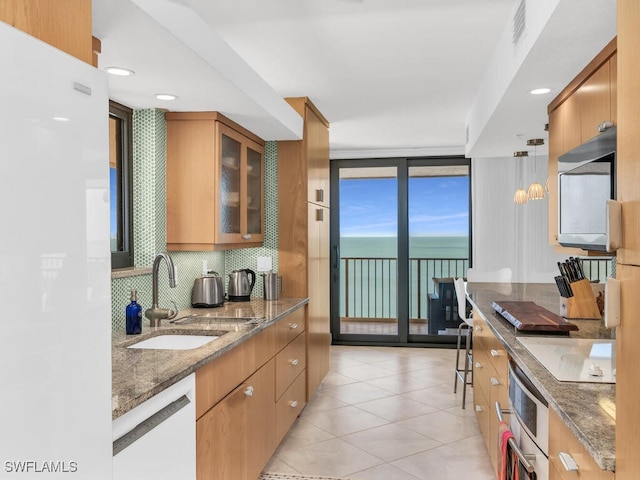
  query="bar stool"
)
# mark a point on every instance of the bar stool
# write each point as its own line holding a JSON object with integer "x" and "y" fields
{"x": 464, "y": 374}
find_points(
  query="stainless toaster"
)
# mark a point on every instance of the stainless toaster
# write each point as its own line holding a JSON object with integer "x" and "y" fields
{"x": 207, "y": 291}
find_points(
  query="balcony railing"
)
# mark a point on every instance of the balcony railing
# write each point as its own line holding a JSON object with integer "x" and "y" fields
{"x": 369, "y": 285}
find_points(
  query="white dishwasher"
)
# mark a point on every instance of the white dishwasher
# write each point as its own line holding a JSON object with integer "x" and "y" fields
{"x": 157, "y": 439}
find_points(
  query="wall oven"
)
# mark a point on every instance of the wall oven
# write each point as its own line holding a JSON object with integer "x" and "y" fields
{"x": 529, "y": 423}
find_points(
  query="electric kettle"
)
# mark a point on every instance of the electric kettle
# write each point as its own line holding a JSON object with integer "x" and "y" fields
{"x": 207, "y": 291}
{"x": 240, "y": 285}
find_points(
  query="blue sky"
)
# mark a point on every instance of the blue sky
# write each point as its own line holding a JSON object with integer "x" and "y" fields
{"x": 437, "y": 206}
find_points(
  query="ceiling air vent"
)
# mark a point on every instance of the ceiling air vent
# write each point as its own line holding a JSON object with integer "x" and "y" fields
{"x": 519, "y": 22}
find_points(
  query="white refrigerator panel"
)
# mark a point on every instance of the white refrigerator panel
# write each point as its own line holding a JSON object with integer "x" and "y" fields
{"x": 55, "y": 346}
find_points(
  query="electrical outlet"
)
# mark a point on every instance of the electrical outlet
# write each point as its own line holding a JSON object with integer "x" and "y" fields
{"x": 264, "y": 264}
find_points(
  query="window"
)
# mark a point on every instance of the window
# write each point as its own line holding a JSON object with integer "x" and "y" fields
{"x": 120, "y": 185}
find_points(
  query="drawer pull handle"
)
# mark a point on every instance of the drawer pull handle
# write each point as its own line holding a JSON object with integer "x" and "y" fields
{"x": 249, "y": 391}
{"x": 478, "y": 365}
{"x": 568, "y": 462}
{"x": 494, "y": 381}
{"x": 293, "y": 404}
{"x": 494, "y": 353}
{"x": 295, "y": 362}
{"x": 293, "y": 326}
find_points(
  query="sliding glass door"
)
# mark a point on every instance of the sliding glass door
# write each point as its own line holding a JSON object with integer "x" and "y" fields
{"x": 400, "y": 228}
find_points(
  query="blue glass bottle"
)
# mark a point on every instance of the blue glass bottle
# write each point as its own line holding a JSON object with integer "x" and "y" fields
{"x": 134, "y": 316}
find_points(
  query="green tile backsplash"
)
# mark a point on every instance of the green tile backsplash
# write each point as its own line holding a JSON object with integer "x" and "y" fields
{"x": 149, "y": 213}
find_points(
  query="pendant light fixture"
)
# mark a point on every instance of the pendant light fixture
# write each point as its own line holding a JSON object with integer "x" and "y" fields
{"x": 520, "y": 197}
{"x": 536, "y": 190}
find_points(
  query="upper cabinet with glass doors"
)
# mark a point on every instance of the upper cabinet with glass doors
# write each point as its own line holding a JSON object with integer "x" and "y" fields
{"x": 215, "y": 179}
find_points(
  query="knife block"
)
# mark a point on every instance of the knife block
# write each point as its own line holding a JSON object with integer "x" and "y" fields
{"x": 582, "y": 304}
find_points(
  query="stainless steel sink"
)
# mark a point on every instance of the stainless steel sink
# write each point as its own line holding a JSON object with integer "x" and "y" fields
{"x": 217, "y": 319}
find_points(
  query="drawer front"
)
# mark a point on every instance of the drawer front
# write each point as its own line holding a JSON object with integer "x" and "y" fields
{"x": 290, "y": 362}
{"x": 290, "y": 327}
{"x": 289, "y": 406}
{"x": 484, "y": 340}
{"x": 481, "y": 407}
{"x": 481, "y": 333}
{"x": 483, "y": 373}
{"x": 561, "y": 439}
{"x": 222, "y": 375}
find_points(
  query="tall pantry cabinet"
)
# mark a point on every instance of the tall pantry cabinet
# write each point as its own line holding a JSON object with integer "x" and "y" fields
{"x": 303, "y": 231}
{"x": 628, "y": 257}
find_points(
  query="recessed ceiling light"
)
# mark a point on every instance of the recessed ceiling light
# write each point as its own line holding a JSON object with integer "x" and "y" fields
{"x": 165, "y": 96}
{"x": 119, "y": 71}
{"x": 540, "y": 91}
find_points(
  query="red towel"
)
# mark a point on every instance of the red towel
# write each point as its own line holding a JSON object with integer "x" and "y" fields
{"x": 509, "y": 468}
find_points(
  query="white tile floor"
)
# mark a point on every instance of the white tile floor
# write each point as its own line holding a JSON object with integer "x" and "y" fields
{"x": 386, "y": 413}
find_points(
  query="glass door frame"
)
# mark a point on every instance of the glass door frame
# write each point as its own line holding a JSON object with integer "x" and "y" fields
{"x": 403, "y": 337}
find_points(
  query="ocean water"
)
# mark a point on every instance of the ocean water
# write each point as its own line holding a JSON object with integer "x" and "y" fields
{"x": 368, "y": 283}
{"x": 419, "y": 247}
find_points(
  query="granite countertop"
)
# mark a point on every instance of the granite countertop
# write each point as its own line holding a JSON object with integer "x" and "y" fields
{"x": 139, "y": 374}
{"x": 588, "y": 409}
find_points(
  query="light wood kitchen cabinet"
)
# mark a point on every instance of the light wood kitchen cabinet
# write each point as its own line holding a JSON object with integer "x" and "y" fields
{"x": 318, "y": 336}
{"x": 595, "y": 101}
{"x": 65, "y": 24}
{"x": 215, "y": 183}
{"x": 303, "y": 231}
{"x": 315, "y": 150}
{"x": 236, "y": 438}
{"x": 574, "y": 115}
{"x": 563, "y": 442}
{"x": 247, "y": 399}
{"x": 628, "y": 257}
{"x": 490, "y": 374}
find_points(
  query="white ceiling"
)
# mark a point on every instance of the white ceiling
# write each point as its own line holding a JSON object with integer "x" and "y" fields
{"x": 393, "y": 77}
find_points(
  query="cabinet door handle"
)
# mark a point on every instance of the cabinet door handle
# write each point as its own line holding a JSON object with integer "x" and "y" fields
{"x": 293, "y": 326}
{"x": 295, "y": 362}
{"x": 249, "y": 391}
{"x": 478, "y": 365}
{"x": 246, "y": 236}
{"x": 494, "y": 381}
{"x": 494, "y": 353}
{"x": 568, "y": 462}
{"x": 479, "y": 408}
{"x": 293, "y": 404}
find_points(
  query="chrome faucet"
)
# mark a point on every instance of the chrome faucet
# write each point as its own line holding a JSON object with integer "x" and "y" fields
{"x": 155, "y": 313}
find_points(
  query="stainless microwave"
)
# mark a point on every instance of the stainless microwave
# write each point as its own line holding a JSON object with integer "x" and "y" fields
{"x": 586, "y": 181}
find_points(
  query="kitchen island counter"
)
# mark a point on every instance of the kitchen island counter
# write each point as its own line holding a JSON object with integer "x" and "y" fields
{"x": 588, "y": 409}
{"x": 139, "y": 374}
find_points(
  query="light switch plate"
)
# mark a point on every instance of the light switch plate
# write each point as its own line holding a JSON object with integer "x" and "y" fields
{"x": 265, "y": 264}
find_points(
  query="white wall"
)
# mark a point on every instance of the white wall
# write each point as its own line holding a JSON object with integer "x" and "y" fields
{"x": 506, "y": 234}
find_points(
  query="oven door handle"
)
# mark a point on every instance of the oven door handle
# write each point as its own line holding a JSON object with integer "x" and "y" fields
{"x": 521, "y": 456}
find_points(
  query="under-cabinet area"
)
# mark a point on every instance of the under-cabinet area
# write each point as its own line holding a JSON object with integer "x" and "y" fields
{"x": 250, "y": 382}
{"x": 564, "y": 429}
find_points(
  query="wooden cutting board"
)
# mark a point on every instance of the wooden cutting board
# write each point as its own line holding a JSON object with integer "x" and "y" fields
{"x": 531, "y": 317}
